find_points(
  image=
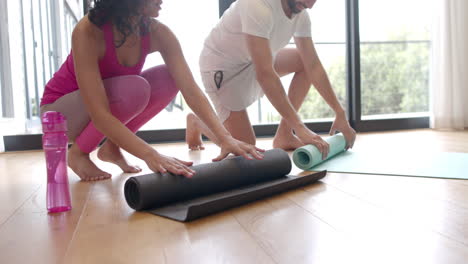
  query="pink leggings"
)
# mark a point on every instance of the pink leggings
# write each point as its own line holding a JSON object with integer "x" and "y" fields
{"x": 133, "y": 99}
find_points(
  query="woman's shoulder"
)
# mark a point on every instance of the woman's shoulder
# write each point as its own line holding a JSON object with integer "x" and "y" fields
{"x": 88, "y": 38}
{"x": 154, "y": 25}
{"x": 85, "y": 29}
{"x": 159, "y": 30}
{"x": 160, "y": 34}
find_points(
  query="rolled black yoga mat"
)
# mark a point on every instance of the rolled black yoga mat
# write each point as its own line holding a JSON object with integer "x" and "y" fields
{"x": 215, "y": 186}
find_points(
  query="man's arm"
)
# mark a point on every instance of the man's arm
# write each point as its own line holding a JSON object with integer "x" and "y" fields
{"x": 259, "y": 49}
{"x": 316, "y": 73}
{"x": 269, "y": 80}
{"x": 318, "y": 77}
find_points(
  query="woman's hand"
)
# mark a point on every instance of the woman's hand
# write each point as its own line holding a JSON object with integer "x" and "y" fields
{"x": 162, "y": 163}
{"x": 342, "y": 125}
{"x": 238, "y": 148}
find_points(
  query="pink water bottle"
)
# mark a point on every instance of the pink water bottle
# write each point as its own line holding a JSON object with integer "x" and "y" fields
{"x": 55, "y": 143}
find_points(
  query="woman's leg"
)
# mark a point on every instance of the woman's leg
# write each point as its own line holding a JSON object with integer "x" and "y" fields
{"x": 72, "y": 107}
{"x": 162, "y": 92}
{"x": 127, "y": 96}
{"x": 134, "y": 101}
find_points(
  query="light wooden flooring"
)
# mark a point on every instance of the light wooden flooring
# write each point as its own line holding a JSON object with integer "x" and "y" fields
{"x": 344, "y": 219}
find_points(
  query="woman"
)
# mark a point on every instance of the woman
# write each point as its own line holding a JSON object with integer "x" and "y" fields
{"x": 103, "y": 93}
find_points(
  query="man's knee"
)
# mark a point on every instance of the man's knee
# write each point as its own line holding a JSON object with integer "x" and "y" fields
{"x": 288, "y": 61}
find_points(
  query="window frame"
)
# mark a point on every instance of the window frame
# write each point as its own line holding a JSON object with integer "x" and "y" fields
{"x": 398, "y": 122}
{"x": 6, "y": 93}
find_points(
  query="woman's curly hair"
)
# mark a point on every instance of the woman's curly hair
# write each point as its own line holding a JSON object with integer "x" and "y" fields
{"x": 120, "y": 13}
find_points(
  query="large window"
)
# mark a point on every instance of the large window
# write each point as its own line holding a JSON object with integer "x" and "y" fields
{"x": 395, "y": 47}
{"x": 37, "y": 35}
{"x": 38, "y": 18}
{"x": 376, "y": 54}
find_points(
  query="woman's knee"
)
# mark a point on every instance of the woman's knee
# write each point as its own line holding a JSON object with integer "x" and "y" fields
{"x": 160, "y": 80}
{"x": 141, "y": 87}
{"x": 129, "y": 93}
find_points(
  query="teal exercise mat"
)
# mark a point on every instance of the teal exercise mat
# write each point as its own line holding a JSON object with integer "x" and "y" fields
{"x": 383, "y": 161}
{"x": 309, "y": 156}
{"x": 399, "y": 163}
{"x": 215, "y": 187}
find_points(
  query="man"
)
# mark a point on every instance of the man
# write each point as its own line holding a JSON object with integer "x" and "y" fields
{"x": 244, "y": 58}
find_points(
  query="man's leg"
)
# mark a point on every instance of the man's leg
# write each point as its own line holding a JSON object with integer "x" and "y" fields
{"x": 236, "y": 122}
{"x": 289, "y": 61}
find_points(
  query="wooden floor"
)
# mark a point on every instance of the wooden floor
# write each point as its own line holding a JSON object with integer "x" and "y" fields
{"x": 344, "y": 219}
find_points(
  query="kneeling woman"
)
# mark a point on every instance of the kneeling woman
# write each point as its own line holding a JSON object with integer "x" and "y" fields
{"x": 103, "y": 92}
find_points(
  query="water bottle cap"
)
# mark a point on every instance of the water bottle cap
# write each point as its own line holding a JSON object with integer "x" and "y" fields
{"x": 53, "y": 121}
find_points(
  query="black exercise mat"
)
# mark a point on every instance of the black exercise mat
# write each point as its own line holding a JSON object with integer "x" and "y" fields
{"x": 215, "y": 187}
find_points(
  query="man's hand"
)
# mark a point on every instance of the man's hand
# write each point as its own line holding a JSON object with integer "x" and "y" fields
{"x": 341, "y": 124}
{"x": 309, "y": 137}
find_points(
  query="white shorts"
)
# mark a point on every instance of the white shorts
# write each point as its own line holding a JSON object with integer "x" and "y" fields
{"x": 232, "y": 90}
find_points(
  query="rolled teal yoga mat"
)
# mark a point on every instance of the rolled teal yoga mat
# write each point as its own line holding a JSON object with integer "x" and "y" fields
{"x": 309, "y": 156}
{"x": 385, "y": 161}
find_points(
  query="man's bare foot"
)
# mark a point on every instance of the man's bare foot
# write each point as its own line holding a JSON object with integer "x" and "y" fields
{"x": 193, "y": 134}
{"x": 82, "y": 165}
{"x": 110, "y": 152}
{"x": 287, "y": 141}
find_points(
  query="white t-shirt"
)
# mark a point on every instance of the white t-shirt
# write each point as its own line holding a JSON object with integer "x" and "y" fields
{"x": 225, "y": 47}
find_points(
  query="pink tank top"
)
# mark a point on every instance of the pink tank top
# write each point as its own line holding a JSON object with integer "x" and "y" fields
{"x": 64, "y": 80}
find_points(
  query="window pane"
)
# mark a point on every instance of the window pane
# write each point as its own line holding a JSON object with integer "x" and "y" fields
{"x": 1, "y": 83}
{"x": 70, "y": 23}
{"x": 191, "y": 21}
{"x": 38, "y": 57}
{"x": 395, "y": 45}
{"x": 29, "y": 56}
{"x": 329, "y": 36}
{"x": 1, "y": 77}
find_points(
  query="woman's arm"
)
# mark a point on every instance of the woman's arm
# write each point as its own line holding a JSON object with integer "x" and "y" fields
{"x": 164, "y": 41}
{"x": 86, "y": 56}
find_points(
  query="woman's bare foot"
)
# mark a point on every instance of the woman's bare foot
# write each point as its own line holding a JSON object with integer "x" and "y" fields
{"x": 287, "y": 141}
{"x": 110, "y": 152}
{"x": 193, "y": 134}
{"x": 82, "y": 165}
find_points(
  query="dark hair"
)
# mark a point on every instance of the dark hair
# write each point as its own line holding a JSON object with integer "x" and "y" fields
{"x": 120, "y": 13}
